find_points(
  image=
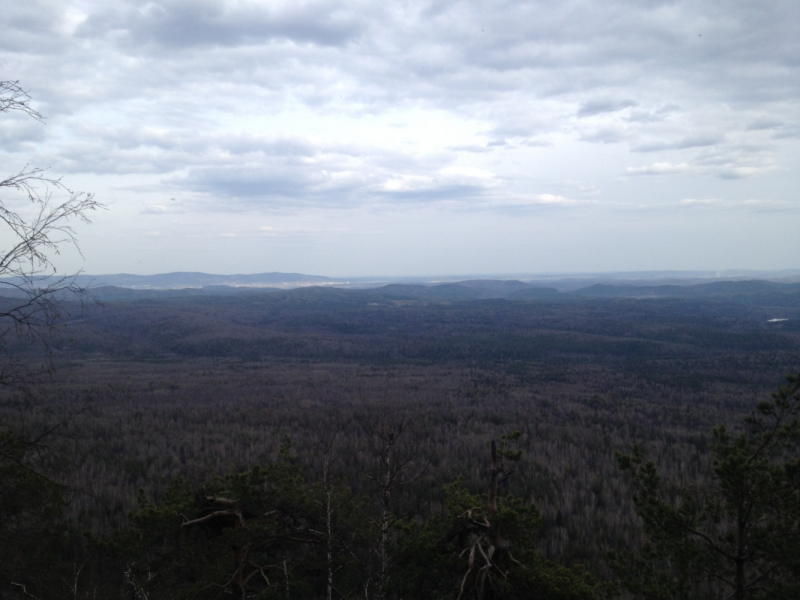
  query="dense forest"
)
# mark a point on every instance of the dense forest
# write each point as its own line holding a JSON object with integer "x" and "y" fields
{"x": 483, "y": 440}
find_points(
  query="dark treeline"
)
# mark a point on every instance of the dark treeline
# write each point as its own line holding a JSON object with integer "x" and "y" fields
{"x": 374, "y": 326}
{"x": 198, "y": 428}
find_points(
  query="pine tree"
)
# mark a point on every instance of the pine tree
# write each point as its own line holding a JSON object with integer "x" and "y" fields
{"x": 32, "y": 532}
{"x": 737, "y": 538}
{"x": 246, "y": 534}
{"x": 483, "y": 547}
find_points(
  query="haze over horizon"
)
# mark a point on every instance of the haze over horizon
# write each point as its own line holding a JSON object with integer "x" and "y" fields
{"x": 415, "y": 138}
{"x": 562, "y": 281}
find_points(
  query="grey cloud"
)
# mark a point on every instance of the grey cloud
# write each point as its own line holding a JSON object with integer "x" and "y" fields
{"x": 130, "y": 150}
{"x": 463, "y": 56}
{"x": 108, "y": 155}
{"x": 519, "y": 69}
{"x": 176, "y": 23}
{"x": 698, "y": 141}
{"x": 446, "y": 58}
{"x": 31, "y": 27}
{"x": 737, "y": 161}
{"x": 639, "y": 38}
{"x": 655, "y": 115}
{"x": 252, "y": 182}
{"x": 519, "y": 128}
{"x": 597, "y": 107}
{"x": 658, "y": 169}
{"x": 292, "y": 172}
{"x": 764, "y": 123}
{"x": 276, "y": 147}
{"x": 395, "y": 162}
{"x": 332, "y": 178}
{"x": 467, "y": 51}
{"x": 511, "y": 120}
{"x": 281, "y": 185}
{"x": 434, "y": 193}
{"x": 605, "y": 135}
{"x": 787, "y": 132}
{"x": 86, "y": 157}
{"x": 732, "y": 173}
{"x": 19, "y": 135}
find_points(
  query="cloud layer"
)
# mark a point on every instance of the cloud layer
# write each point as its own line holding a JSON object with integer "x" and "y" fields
{"x": 236, "y": 107}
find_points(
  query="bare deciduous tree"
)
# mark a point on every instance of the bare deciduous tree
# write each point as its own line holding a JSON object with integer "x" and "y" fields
{"x": 32, "y": 292}
{"x": 489, "y": 555}
{"x": 396, "y": 463}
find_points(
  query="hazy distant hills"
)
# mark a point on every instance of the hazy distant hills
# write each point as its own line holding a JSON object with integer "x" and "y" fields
{"x": 474, "y": 319}
{"x": 476, "y": 289}
{"x": 124, "y": 286}
{"x": 202, "y": 280}
{"x": 760, "y": 293}
{"x": 111, "y": 293}
{"x": 516, "y": 290}
{"x": 465, "y": 290}
{"x": 481, "y": 320}
{"x": 723, "y": 289}
{"x": 121, "y": 287}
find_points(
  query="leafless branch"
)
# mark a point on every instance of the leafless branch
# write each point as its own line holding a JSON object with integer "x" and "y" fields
{"x": 13, "y": 97}
{"x": 32, "y": 293}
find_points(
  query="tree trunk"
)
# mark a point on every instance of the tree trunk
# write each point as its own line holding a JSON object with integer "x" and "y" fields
{"x": 328, "y": 532}
{"x": 387, "y": 490}
{"x": 741, "y": 543}
{"x": 493, "y": 483}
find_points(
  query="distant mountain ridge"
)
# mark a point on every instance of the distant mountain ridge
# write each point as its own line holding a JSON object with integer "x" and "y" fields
{"x": 700, "y": 290}
{"x": 125, "y": 286}
{"x": 473, "y": 289}
{"x": 518, "y": 290}
{"x": 180, "y": 279}
{"x": 497, "y": 286}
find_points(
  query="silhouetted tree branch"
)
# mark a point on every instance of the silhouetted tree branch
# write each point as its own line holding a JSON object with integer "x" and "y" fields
{"x": 32, "y": 292}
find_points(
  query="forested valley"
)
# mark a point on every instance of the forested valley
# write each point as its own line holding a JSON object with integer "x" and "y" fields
{"x": 402, "y": 443}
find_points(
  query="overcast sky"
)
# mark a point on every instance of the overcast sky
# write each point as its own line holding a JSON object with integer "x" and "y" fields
{"x": 415, "y": 138}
